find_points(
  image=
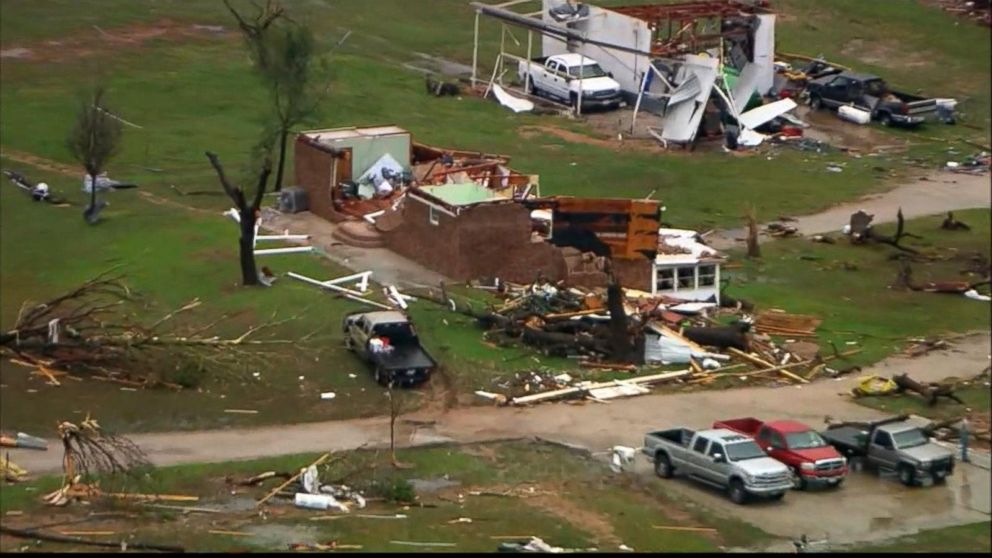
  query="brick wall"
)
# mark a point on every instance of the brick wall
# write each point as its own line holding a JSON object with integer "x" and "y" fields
{"x": 313, "y": 172}
{"x": 485, "y": 240}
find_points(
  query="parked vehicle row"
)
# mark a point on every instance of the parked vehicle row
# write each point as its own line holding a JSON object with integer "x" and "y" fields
{"x": 751, "y": 459}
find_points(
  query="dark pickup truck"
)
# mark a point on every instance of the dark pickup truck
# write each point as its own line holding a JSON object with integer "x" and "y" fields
{"x": 894, "y": 444}
{"x": 389, "y": 343}
{"x": 869, "y": 93}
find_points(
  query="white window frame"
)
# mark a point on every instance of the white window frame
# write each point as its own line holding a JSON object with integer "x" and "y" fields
{"x": 699, "y": 269}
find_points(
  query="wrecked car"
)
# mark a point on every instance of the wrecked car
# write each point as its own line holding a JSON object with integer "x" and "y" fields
{"x": 810, "y": 458}
{"x": 870, "y": 94}
{"x": 719, "y": 457}
{"x": 894, "y": 444}
{"x": 566, "y": 76}
{"x": 387, "y": 340}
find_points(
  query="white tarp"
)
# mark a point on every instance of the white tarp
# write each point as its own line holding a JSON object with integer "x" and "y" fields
{"x": 515, "y": 104}
{"x": 373, "y": 174}
{"x": 766, "y": 113}
{"x": 682, "y": 121}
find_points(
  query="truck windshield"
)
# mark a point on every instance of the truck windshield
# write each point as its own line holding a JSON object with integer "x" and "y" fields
{"x": 909, "y": 439}
{"x": 587, "y": 71}
{"x": 804, "y": 440}
{"x": 744, "y": 450}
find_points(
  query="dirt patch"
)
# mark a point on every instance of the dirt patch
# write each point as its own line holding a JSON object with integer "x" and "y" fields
{"x": 159, "y": 200}
{"x": 103, "y": 41}
{"x": 887, "y": 53}
{"x": 41, "y": 163}
{"x": 647, "y": 146}
{"x": 828, "y": 128}
{"x": 596, "y": 524}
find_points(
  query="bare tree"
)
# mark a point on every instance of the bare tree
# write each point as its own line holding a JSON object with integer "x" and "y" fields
{"x": 93, "y": 140}
{"x": 282, "y": 52}
{"x": 248, "y": 206}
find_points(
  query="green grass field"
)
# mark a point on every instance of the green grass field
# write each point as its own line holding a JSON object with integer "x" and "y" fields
{"x": 849, "y": 286}
{"x": 576, "y": 503}
{"x": 972, "y": 538}
{"x": 191, "y": 90}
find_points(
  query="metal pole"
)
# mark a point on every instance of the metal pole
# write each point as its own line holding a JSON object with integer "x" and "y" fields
{"x": 475, "y": 49}
{"x": 502, "y": 48}
{"x": 637, "y": 105}
{"x": 530, "y": 44}
{"x": 578, "y": 105}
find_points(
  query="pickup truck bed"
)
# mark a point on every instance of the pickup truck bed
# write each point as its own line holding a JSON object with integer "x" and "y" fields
{"x": 747, "y": 426}
{"x": 404, "y": 356}
{"x": 849, "y": 439}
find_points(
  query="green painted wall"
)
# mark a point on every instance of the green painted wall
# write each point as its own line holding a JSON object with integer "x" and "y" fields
{"x": 366, "y": 151}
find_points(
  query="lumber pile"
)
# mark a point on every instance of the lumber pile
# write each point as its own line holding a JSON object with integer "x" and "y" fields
{"x": 780, "y": 323}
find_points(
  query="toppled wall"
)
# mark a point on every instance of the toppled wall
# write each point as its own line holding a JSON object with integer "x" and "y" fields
{"x": 483, "y": 241}
{"x": 611, "y": 27}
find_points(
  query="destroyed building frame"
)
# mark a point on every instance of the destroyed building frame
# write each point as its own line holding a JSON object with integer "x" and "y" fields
{"x": 648, "y": 49}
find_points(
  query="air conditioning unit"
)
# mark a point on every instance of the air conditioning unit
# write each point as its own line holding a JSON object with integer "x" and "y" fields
{"x": 293, "y": 200}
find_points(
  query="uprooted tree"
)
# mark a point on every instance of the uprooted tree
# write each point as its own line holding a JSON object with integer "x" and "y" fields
{"x": 93, "y": 140}
{"x": 282, "y": 55}
{"x": 91, "y": 330}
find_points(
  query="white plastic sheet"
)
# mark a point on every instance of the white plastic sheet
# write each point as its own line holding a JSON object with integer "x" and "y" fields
{"x": 515, "y": 104}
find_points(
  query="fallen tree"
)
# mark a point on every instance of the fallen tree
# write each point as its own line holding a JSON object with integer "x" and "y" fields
{"x": 90, "y": 330}
{"x": 930, "y": 391}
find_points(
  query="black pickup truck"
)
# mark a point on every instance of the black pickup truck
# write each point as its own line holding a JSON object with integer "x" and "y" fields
{"x": 388, "y": 341}
{"x": 872, "y": 94}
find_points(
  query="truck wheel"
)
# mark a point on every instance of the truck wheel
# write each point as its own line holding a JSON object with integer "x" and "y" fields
{"x": 815, "y": 102}
{"x": 531, "y": 89}
{"x": 885, "y": 119}
{"x": 737, "y": 493}
{"x": 663, "y": 466}
{"x": 906, "y": 475}
{"x": 380, "y": 377}
{"x": 798, "y": 482}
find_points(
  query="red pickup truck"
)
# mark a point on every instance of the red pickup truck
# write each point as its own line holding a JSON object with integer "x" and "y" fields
{"x": 812, "y": 460}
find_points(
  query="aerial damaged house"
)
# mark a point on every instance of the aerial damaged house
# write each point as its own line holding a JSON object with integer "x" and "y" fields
{"x": 468, "y": 232}
{"x": 354, "y": 172}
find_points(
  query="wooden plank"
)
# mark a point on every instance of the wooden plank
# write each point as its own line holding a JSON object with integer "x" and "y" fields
{"x": 767, "y": 365}
{"x": 276, "y": 490}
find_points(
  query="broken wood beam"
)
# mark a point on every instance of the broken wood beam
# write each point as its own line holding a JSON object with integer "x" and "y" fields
{"x": 276, "y": 490}
{"x": 769, "y": 367}
{"x": 52, "y": 537}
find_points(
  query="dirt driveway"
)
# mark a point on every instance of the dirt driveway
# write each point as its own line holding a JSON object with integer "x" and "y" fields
{"x": 867, "y": 507}
{"x": 939, "y": 193}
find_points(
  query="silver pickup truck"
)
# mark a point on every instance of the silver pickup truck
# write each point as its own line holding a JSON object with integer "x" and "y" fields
{"x": 719, "y": 457}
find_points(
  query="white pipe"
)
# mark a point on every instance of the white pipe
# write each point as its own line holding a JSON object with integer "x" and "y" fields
{"x": 371, "y": 217}
{"x": 335, "y": 288}
{"x": 293, "y": 250}
{"x": 363, "y": 285}
{"x": 283, "y": 237}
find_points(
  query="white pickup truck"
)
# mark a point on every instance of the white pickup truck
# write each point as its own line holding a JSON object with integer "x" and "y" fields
{"x": 562, "y": 76}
